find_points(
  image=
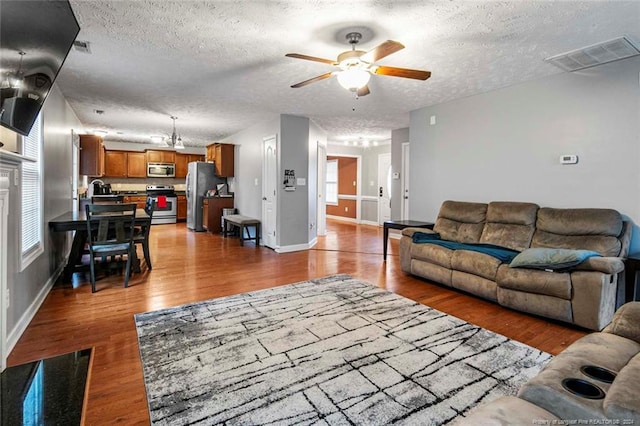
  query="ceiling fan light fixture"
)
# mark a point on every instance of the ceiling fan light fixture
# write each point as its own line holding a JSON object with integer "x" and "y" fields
{"x": 353, "y": 78}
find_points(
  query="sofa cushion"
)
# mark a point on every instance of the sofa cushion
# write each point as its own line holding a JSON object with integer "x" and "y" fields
{"x": 507, "y": 410}
{"x": 606, "y": 265}
{"x": 586, "y": 229}
{"x": 622, "y": 401}
{"x": 432, "y": 253}
{"x": 626, "y": 322}
{"x": 551, "y": 259}
{"x": 510, "y": 224}
{"x": 461, "y": 221}
{"x": 475, "y": 263}
{"x": 554, "y": 284}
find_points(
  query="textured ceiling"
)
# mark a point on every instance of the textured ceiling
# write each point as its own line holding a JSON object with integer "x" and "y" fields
{"x": 219, "y": 66}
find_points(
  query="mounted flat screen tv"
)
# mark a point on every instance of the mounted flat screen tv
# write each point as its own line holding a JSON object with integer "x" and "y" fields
{"x": 35, "y": 38}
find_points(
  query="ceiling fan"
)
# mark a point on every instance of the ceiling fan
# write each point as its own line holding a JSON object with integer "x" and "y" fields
{"x": 356, "y": 66}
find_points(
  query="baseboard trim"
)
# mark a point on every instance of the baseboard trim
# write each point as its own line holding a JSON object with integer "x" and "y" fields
{"x": 14, "y": 335}
{"x": 297, "y": 247}
{"x": 342, "y": 218}
{"x": 369, "y": 222}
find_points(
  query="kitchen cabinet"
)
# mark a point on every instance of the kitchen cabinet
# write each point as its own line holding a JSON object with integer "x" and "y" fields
{"x": 136, "y": 164}
{"x": 182, "y": 207}
{"x": 182, "y": 161}
{"x": 160, "y": 156}
{"x": 222, "y": 154}
{"x": 212, "y": 212}
{"x": 140, "y": 200}
{"x": 115, "y": 164}
{"x": 92, "y": 155}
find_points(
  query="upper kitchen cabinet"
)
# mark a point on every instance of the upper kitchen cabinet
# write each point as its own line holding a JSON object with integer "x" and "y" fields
{"x": 160, "y": 156}
{"x": 136, "y": 164}
{"x": 222, "y": 154}
{"x": 92, "y": 155}
{"x": 182, "y": 161}
{"x": 115, "y": 164}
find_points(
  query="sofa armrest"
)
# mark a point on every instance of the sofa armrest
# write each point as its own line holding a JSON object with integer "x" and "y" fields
{"x": 626, "y": 322}
{"x": 607, "y": 265}
{"x": 408, "y": 232}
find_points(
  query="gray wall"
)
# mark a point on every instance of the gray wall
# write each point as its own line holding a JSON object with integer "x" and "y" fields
{"x": 293, "y": 207}
{"x": 398, "y": 137}
{"x": 24, "y": 287}
{"x": 506, "y": 144}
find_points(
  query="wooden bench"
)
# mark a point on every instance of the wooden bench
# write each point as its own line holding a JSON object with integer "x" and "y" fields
{"x": 242, "y": 222}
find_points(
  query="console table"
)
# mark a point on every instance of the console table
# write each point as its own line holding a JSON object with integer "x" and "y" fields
{"x": 631, "y": 267}
{"x": 400, "y": 224}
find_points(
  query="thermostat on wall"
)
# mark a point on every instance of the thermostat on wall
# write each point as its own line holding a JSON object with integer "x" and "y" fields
{"x": 568, "y": 159}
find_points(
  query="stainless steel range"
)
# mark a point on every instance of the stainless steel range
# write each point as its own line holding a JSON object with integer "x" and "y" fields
{"x": 165, "y": 203}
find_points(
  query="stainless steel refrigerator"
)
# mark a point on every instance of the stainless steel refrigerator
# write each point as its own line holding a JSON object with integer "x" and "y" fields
{"x": 200, "y": 179}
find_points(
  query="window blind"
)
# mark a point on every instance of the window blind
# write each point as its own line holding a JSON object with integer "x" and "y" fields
{"x": 31, "y": 192}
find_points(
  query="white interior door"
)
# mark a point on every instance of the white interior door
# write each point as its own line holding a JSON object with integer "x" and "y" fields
{"x": 405, "y": 181}
{"x": 322, "y": 189}
{"x": 384, "y": 187}
{"x": 269, "y": 191}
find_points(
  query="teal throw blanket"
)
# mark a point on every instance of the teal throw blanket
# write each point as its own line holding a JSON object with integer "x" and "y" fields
{"x": 505, "y": 255}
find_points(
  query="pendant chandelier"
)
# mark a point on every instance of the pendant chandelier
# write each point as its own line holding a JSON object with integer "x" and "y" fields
{"x": 175, "y": 141}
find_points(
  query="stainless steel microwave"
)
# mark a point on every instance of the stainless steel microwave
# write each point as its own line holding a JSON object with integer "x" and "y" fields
{"x": 161, "y": 170}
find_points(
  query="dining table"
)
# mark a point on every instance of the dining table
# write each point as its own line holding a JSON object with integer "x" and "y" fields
{"x": 76, "y": 221}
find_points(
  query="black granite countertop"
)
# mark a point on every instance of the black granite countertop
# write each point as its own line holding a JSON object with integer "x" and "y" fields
{"x": 46, "y": 392}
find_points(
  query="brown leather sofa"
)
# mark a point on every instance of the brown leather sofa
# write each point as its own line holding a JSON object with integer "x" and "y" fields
{"x": 584, "y": 295}
{"x": 596, "y": 380}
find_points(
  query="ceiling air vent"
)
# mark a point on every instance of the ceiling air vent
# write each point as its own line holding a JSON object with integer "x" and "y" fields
{"x": 596, "y": 54}
{"x": 82, "y": 46}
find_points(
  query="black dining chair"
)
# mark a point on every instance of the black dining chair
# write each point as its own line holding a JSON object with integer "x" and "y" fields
{"x": 141, "y": 234}
{"x": 107, "y": 199}
{"x": 110, "y": 230}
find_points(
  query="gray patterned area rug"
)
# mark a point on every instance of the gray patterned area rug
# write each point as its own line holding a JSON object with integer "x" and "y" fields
{"x": 329, "y": 351}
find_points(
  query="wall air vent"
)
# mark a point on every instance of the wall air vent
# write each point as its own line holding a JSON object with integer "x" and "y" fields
{"x": 596, "y": 54}
{"x": 82, "y": 46}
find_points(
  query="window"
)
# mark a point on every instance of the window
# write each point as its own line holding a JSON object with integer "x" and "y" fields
{"x": 332, "y": 182}
{"x": 31, "y": 185}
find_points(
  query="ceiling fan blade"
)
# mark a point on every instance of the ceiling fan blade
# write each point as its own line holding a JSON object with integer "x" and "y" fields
{"x": 312, "y": 80}
{"x": 311, "y": 58}
{"x": 381, "y": 51}
{"x": 402, "y": 72}
{"x": 363, "y": 91}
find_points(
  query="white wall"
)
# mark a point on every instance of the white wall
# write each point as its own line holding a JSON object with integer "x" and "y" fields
{"x": 506, "y": 144}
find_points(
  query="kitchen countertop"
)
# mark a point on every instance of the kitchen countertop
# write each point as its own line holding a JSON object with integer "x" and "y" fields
{"x": 53, "y": 388}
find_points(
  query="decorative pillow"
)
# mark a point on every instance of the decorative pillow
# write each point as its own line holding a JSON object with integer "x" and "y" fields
{"x": 551, "y": 259}
{"x": 422, "y": 237}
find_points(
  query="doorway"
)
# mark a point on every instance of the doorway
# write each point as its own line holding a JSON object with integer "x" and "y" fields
{"x": 405, "y": 181}
{"x": 384, "y": 188}
{"x": 269, "y": 191}
{"x": 322, "y": 186}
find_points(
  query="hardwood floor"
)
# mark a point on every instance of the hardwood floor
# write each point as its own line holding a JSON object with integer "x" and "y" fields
{"x": 192, "y": 266}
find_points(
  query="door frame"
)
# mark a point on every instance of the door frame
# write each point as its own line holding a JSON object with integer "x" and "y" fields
{"x": 405, "y": 181}
{"x": 358, "y": 196}
{"x": 321, "y": 206}
{"x": 264, "y": 189}
{"x": 4, "y": 218}
{"x": 387, "y": 184}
